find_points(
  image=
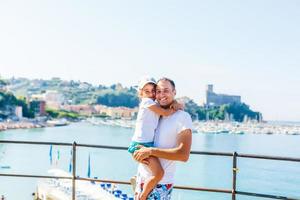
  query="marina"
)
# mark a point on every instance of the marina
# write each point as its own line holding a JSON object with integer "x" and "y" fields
{"x": 216, "y": 127}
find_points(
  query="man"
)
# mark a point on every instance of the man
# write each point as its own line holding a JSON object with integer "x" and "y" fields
{"x": 172, "y": 143}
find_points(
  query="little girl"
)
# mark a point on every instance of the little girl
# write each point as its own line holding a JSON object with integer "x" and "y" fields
{"x": 146, "y": 123}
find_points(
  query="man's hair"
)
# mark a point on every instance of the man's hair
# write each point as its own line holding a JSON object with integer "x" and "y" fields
{"x": 169, "y": 80}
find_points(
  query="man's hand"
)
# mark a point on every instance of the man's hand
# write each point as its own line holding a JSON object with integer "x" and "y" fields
{"x": 142, "y": 154}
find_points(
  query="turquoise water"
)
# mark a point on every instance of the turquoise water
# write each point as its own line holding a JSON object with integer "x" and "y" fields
{"x": 270, "y": 177}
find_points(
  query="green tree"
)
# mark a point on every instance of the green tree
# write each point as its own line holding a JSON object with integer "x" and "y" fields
{"x": 115, "y": 99}
{"x": 240, "y": 110}
{"x": 26, "y": 111}
{"x": 9, "y": 100}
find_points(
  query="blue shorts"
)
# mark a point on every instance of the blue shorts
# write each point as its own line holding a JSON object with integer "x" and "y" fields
{"x": 133, "y": 145}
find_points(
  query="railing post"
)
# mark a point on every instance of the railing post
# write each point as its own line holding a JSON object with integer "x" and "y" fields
{"x": 234, "y": 170}
{"x": 74, "y": 171}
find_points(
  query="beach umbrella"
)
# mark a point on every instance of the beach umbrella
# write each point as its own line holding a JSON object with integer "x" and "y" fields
{"x": 89, "y": 167}
{"x": 50, "y": 154}
{"x": 58, "y": 156}
{"x": 70, "y": 164}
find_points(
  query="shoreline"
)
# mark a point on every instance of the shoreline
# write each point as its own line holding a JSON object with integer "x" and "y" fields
{"x": 20, "y": 125}
{"x": 204, "y": 127}
{"x": 246, "y": 128}
{"x": 28, "y": 124}
{"x": 216, "y": 127}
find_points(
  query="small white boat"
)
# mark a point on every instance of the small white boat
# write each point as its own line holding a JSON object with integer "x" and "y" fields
{"x": 59, "y": 122}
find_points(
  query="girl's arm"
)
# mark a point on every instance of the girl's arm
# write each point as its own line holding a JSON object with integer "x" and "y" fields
{"x": 161, "y": 111}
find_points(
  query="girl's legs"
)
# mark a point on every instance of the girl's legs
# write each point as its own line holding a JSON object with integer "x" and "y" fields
{"x": 157, "y": 174}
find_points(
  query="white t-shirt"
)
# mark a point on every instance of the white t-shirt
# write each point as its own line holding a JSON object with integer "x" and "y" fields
{"x": 146, "y": 122}
{"x": 165, "y": 138}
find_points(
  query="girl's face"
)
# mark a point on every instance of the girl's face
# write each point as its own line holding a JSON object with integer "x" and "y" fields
{"x": 148, "y": 91}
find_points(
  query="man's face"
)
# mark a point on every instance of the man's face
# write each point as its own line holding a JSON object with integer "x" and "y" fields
{"x": 165, "y": 93}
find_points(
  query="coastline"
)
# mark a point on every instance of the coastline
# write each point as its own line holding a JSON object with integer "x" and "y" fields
{"x": 216, "y": 127}
{"x": 29, "y": 124}
{"x": 205, "y": 127}
{"x": 246, "y": 128}
{"x": 20, "y": 125}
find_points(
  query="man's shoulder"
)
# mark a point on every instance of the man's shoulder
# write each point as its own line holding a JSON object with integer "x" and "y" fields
{"x": 182, "y": 117}
{"x": 183, "y": 114}
{"x": 184, "y": 121}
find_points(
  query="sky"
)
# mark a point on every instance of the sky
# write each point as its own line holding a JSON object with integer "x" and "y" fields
{"x": 244, "y": 47}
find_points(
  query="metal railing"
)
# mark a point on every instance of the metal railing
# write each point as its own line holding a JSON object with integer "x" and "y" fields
{"x": 233, "y": 191}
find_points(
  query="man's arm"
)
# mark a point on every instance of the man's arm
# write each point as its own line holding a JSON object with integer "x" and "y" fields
{"x": 179, "y": 153}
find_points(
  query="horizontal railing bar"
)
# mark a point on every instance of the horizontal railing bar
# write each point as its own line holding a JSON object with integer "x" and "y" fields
{"x": 176, "y": 186}
{"x": 247, "y": 156}
{"x": 35, "y": 176}
{"x": 203, "y": 189}
{"x": 103, "y": 180}
{"x": 264, "y": 195}
{"x": 113, "y": 181}
{"x": 125, "y": 148}
{"x": 36, "y": 143}
{"x": 101, "y": 146}
{"x": 269, "y": 157}
{"x": 211, "y": 153}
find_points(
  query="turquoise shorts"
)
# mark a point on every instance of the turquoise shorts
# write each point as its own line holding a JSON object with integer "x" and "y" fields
{"x": 133, "y": 145}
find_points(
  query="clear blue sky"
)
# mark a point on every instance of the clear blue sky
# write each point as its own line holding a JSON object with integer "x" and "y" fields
{"x": 248, "y": 48}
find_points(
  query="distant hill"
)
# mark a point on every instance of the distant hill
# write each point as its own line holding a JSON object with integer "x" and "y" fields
{"x": 77, "y": 92}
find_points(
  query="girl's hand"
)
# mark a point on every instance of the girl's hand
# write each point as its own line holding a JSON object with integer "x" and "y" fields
{"x": 177, "y": 106}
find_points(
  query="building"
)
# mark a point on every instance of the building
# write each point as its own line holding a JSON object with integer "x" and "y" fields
{"x": 19, "y": 112}
{"x": 38, "y": 107}
{"x": 214, "y": 99}
{"x": 120, "y": 112}
{"x": 53, "y": 99}
{"x": 116, "y": 112}
{"x": 86, "y": 110}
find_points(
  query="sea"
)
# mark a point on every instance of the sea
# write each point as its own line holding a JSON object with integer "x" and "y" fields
{"x": 254, "y": 175}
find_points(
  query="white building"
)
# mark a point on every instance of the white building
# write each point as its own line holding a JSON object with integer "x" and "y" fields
{"x": 53, "y": 99}
{"x": 19, "y": 112}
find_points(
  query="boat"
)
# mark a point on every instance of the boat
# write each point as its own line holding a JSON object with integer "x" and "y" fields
{"x": 5, "y": 167}
{"x": 59, "y": 122}
{"x": 61, "y": 189}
